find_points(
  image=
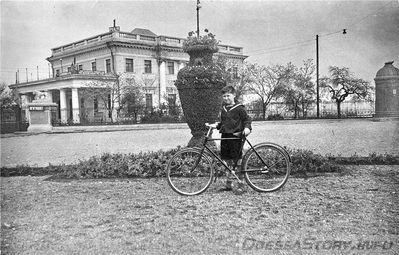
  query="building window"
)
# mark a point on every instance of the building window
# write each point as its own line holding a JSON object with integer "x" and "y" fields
{"x": 108, "y": 65}
{"x": 148, "y": 102}
{"x": 147, "y": 66}
{"x": 95, "y": 105}
{"x": 80, "y": 67}
{"x": 171, "y": 67}
{"x": 129, "y": 65}
{"x": 94, "y": 66}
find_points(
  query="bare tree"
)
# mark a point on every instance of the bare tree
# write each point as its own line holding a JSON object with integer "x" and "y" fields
{"x": 299, "y": 94}
{"x": 8, "y": 97}
{"x": 105, "y": 90}
{"x": 235, "y": 74}
{"x": 342, "y": 84}
{"x": 268, "y": 82}
{"x": 123, "y": 91}
{"x": 133, "y": 97}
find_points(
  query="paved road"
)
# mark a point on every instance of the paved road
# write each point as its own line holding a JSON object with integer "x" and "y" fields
{"x": 336, "y": 137}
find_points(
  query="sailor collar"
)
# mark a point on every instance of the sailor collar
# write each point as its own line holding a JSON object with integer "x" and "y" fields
{"x": 233, "y": 107}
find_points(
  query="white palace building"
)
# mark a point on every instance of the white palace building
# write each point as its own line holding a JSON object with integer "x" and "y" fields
{"x": 140, "y": 54}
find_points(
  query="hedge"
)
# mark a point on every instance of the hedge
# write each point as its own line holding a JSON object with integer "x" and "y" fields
{"x": 153, "y": 164}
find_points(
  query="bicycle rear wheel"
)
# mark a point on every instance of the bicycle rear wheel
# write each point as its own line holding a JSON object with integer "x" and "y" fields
{"x": 189, "y": 172}
{"x": 267, "y": 167}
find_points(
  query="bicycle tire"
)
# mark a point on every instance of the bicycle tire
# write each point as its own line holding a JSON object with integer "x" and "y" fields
{"x": 269, "y": 174}
{"x": 189, "y": 172}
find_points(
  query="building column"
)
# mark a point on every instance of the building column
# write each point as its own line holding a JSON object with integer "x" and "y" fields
{"x": 162, "y": 83}
{"x": 24, "y": 100}
{"x": 75, "y": 106}
{"x": 24, "y": 106}
{"x": 63, "y": 106}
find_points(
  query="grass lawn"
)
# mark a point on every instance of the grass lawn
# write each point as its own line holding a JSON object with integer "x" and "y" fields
{"x": 352, "y": 213}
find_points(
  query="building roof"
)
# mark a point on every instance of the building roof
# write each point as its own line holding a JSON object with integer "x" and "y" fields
{"x": 142, "y": 31}
{"x": 388, "y": 70}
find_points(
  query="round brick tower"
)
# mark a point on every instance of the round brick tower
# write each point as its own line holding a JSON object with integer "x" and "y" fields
{"x": 387, "y": 91}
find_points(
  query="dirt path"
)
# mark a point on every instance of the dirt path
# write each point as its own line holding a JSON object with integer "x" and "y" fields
{"x": 331, "y": 214}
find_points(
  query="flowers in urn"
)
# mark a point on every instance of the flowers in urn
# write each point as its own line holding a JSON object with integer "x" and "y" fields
{"x": 203, "y": 42}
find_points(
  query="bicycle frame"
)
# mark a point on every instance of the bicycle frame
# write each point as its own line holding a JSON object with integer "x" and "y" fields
{"x": 208, "y": 138}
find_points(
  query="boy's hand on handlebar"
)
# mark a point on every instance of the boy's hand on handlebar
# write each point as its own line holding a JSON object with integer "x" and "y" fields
{"x": 213, "y": 125}
{"x": 246, "y": 131}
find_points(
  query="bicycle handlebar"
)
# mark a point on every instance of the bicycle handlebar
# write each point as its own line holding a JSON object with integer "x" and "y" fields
{"x": 212, "y": 127}
{"x": 209, "y": 125}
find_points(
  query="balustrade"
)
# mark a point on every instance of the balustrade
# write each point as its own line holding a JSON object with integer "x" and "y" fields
{"x": 165, "y": 40}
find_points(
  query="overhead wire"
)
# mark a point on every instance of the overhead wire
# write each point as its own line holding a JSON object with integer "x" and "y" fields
{"x": 351, "y": 25}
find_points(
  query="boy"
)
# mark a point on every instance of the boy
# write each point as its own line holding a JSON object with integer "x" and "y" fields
{"x": 234, "y": 122}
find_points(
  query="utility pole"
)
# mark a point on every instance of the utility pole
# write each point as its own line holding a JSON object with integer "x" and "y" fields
{"x": 317, "y": 76}
{"x": 317, "y": 71}
{"x": 198, "y": 7}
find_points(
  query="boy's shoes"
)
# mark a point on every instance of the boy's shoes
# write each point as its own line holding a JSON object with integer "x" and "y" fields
{"x": 225, "y": 189}
{"x": 228, "y": 186}
{"x": 240, "y": 189}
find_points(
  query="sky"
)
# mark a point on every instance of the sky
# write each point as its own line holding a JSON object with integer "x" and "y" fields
{"x": 271, "y": 32}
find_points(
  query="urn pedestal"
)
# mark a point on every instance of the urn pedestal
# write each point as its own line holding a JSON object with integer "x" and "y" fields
{"x": 41, "y": 115}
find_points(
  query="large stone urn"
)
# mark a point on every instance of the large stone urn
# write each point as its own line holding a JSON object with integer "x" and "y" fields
{"x": 199, "y": 85}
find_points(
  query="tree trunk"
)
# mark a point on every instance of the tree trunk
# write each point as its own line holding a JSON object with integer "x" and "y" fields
{"x": 264, "y": 111}
{"x": 339, "y": 109}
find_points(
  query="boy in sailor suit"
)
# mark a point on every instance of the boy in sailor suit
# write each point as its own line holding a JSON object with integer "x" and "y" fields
{"x": 234, "y": 122}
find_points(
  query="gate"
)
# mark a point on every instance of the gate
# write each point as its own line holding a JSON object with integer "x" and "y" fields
{"x": 12, "y": 120}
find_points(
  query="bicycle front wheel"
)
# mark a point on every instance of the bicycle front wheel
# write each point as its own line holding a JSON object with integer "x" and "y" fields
{"x": 189, "y": 172}
{"x": 267, "y": 167}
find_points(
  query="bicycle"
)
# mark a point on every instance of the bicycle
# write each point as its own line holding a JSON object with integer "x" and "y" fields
{"x": 266, "y": 167}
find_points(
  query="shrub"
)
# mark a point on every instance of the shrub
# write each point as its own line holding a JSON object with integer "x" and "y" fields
{"x": 372, "y": 159}
{"x": 157, "y": 118}
{"x": 275, "y": 117}
{"x": 153, "y": 164}
{"x": 143, "y": 164}
{"x": 305, "y": 161}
